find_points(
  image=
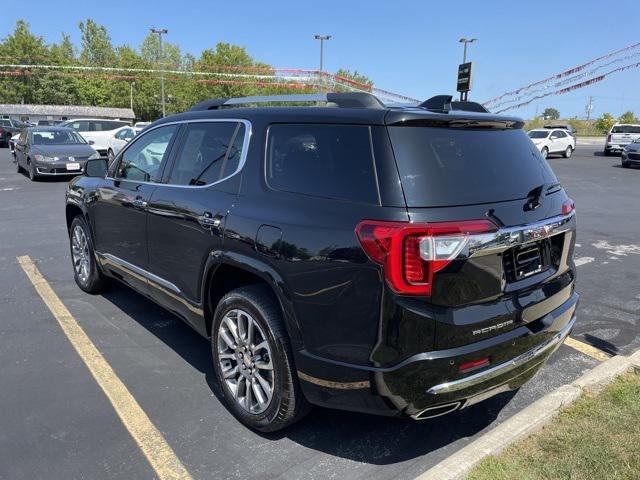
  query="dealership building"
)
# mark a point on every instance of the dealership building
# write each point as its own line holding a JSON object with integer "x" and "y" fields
{"x": 34, "y": 113}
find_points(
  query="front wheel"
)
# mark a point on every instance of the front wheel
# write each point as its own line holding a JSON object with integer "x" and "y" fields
{"x": 545, "y": 152}
{"x": 568, "y": 152}
{"x": 31, "y": 170}
{"x": 253, "y": 360}
{"x": 85, "y": 269}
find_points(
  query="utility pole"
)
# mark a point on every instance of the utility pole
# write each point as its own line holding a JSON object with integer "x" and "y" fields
{"x": 131, "y": 95}
{"x": 322, "y": 38}
{"x": 160, "y": 32}
{"x": 589, "y": 108}
{"x": 464, "y": 95}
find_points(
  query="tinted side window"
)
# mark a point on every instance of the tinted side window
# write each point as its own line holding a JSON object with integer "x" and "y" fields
{"x": 81, "y": 126}
{"x": 333, "y": 161}
{"x": 143, "y": 159}
{"x": 210, "y": 152}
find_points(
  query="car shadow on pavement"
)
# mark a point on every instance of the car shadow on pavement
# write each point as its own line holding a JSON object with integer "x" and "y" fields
{"x": 357, "y": 437}
{"x": 601, "y": 344}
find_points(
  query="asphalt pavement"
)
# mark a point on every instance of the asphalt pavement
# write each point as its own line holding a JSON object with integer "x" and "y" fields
{"x": 55, "y": 421}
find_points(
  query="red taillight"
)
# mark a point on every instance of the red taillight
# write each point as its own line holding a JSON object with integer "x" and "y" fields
{"x": 412, "y": 253}
{"x": 474, "y": 365}
{"x": 1, "y": 130}
{"x": 608, "y": 138}
{"x": 568, "y": 206}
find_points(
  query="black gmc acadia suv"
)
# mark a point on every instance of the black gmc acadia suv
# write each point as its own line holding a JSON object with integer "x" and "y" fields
{"x": 396, "y": 260}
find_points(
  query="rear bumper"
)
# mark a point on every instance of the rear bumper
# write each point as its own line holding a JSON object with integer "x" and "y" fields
{"x": 429, "y": 384}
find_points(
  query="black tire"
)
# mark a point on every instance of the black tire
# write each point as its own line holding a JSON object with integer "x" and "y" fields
{"x": 110, "y": 156}
{"x": 31, "y": 171}
{"x": 287, "y": 404}
{"x": 568, "y": 152}
{"x": 544, "y": 152}
{"x": 607, "y": 152}
{"x": 95, "y": 280}
{"x": 625, "y": 164}
{"x": 18, "y": 167}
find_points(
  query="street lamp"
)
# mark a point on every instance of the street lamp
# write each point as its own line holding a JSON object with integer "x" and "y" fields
{"x": 160, "y": 32}
{"x": 133, "y": 84}
{"x": 322, "y": 38}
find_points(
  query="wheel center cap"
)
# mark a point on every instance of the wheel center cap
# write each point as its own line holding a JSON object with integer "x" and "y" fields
{"x": 247, "y": 360}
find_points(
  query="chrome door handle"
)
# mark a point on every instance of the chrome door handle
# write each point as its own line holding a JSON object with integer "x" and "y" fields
{"x": 207, "y": 220}
{"x": 139, "y": 203}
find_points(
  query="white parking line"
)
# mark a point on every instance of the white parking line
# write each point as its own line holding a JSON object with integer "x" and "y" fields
{"x": 583, "y": 260}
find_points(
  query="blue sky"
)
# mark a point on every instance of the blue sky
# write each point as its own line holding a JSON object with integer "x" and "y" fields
{"x": 410, "y": 47}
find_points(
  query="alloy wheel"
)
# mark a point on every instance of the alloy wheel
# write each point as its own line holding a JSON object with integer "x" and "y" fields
{"x": 80, "y": 254}
{"x": 244, "y": 357}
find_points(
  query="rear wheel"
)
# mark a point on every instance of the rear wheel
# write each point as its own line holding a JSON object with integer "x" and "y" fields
{"x": 625, "y": 164}
{"x": 545, "y": 152}
{"x": 567, "y": 153}
{"x": 253, "y": 360}
{"x": 607, "y": 152}
{"x": 85, "y": 269}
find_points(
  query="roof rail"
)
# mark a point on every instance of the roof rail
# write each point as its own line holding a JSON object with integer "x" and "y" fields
{"x": 445, "y": 103}
{"x": 341, "y": 99}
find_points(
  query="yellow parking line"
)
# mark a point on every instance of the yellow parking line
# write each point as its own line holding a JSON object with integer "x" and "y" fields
{"x": 153, "y": 445}
{"x": 586, "y": 349}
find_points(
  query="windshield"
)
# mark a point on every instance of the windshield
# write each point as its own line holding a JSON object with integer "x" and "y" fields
{"x": 538, "y": 134}
{"x": 626, "y": 129}
{"x": 449, "y": 167}
{"x": 57, "y": 137}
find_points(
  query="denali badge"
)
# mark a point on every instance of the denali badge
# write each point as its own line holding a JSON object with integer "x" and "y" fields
{"x": 492, "y": 328}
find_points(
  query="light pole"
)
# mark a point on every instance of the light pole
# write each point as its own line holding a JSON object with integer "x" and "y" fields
{"x": 322, "y": 38}
{"x": 160, "y": 32}
{"x": 131, "y": 95}
{"x": 463, "y": 95}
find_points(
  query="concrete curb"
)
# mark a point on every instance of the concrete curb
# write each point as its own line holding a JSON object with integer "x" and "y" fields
{"x": 529, "y": 420}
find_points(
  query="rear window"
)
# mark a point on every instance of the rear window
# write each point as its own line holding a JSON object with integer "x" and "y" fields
{"x": 105, "y": 125}
{"x": 332, "y": 161}
{"x": 626, "y": 129}
{"x": 447, "y": 167}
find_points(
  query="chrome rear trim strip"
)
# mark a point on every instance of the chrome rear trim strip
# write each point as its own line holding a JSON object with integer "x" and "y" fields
{"x": 503, "y": 368}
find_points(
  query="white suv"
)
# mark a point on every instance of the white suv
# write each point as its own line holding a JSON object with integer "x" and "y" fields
{"x": 620, "y": 136}
{"x": 552, "y": 141}
{"x": 96, "y": 131}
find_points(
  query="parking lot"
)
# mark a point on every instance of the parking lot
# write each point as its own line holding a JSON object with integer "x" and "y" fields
{"x": 56, "y": 422}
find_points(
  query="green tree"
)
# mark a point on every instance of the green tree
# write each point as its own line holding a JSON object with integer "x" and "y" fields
{"x": 97, "y": 49}
{"x": 550, "y": 114}
{"x": 605, "y": 122}
{"x": 354, "y": 76}
{"x": 628, "y": 117}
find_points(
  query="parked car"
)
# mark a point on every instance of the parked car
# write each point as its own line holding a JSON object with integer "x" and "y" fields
{"x": 9, "y": 127}
{"x": 49, "y": 123}
{"x": 631, "y": 154}
{"x": 119, "y": 139}
{"x": 355, "y": 256}
{"x": 552, "y": 141}
{"x": 620, "y": 136}
{"x": 141, "y": 125}
{"x": 12, "y": 144}
{"x": 96, "y": 131}
{"x": 52, "y": 151}
{"x": 562, "y": 126}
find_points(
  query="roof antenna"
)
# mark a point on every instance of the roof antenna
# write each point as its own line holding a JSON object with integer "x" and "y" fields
{"x": 439, "y": 102}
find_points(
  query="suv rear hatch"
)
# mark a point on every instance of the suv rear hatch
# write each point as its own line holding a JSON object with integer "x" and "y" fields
{"x": 623, "y": 135}
{"x": 507, "y": 260}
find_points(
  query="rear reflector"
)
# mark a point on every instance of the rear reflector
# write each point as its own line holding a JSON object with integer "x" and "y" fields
{"x": 411, "y": 253}
{"x": 465, "y": 367}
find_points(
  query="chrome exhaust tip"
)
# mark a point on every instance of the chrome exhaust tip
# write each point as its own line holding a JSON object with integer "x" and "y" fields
{"x": 437, "y": 411}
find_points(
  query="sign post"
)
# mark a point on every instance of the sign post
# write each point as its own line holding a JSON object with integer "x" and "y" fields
{"x": 465, "y": 79}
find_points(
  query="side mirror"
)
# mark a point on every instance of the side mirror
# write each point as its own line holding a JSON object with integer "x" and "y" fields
{"x": 127, "y": 139}
{"x": 91, "y": 142}
{"x": 96, "y": 167}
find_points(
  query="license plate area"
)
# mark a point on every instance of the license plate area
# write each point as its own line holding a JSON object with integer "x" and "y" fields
{"x": 526, "y": 260}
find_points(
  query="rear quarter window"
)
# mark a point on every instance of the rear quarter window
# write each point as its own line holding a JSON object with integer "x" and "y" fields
{"x": 449, "y": 166}
{"x": 330, "y": 161}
